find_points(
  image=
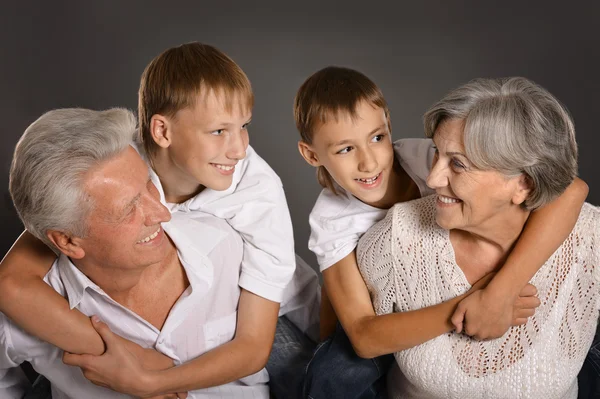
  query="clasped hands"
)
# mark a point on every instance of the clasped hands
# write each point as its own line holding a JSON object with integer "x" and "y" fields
{"x": 124, "y": 366}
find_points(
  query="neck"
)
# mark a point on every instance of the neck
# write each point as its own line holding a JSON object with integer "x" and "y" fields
{"x": 123, "y": 284}
{"x": 177, "y": 185}
{"x": 485, "y": 248}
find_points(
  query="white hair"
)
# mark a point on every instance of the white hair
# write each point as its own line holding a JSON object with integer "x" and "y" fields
{"x": 514, "y": 126}
{"x": 51, "y": 159}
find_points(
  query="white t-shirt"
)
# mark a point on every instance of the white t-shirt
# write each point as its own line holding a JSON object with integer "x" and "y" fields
{"x": 255, "y": 206}
{"x": 204, "y": 316}
{"x": 408, "y": 263}
{"x": 338, "y": 221}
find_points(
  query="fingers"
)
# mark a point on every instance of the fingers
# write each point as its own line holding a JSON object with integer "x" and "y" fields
{"x": 528, "y": 290}
{"x": 72, "y": 359}
{"x": 182, "y": 395}
{"x": 458, "y": 317}
{"x": 102, "y": 329}
{"x": 530, "y": 302}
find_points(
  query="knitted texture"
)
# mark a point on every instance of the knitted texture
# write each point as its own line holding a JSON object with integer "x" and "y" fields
{"x": 408, "y": 263}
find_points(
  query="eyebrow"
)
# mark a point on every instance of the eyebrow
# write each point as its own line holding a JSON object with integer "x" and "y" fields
{"x": 343, "y": 142}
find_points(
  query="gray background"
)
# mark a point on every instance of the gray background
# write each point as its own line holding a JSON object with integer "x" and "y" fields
{"x": 91, "y": 54}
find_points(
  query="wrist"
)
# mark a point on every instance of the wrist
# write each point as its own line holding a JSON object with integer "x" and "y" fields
{"x": 501, "y": 292}
{"x": 150, "y": 384}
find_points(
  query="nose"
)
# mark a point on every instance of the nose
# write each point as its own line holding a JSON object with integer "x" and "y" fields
{"x": 438, "y": 177}
{"x": 367, "y": 161}
{"x": 155, "y": 212}
{"x": 238, "y": 142}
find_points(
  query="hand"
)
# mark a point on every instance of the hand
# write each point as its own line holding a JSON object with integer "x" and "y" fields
{"x": 487, "y": 314}
{"x": 121, "y": 367}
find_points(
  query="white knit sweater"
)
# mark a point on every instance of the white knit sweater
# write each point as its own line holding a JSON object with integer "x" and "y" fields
{"x": 408, "y": 262}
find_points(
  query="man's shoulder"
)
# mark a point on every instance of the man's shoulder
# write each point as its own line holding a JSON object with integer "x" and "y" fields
{"x": 201, "y": 230}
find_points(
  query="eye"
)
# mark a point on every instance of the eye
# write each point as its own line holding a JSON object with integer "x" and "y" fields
{"x": 457, "y": 164}
{"x": 344, "y": 150}
{"x": 377, "y": 138}
{"x": 217, "y": 132}
{"x": 245, "y": 125}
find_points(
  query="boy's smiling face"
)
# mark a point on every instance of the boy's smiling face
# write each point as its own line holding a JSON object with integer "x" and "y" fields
{"x": 206, "y": 142}
{"x": 357, "y": 153}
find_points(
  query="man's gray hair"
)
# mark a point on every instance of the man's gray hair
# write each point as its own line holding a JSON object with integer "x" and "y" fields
{"x": 51, "y": 160}
{"x": 514, "y": 126}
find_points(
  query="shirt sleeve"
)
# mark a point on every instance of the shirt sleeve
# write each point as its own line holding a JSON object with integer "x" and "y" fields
{"x": 13, "y": 382}
{"x": 336, "y": 224}
{"x": 256, "y": 207}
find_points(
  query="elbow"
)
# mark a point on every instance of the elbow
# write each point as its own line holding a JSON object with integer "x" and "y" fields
{"x": 257, "y": 358}
{"x": 364, "y": 346}
{"x": 10, "y": 287}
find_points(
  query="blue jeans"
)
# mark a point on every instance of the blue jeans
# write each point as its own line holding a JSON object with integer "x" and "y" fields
{"x": 337, "y": 372}
{"x": 39, "y": 390}
{"x": 589, "y": 376}
{"x": 292, "y": 350}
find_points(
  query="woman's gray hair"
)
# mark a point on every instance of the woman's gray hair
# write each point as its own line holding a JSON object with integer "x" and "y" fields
{"x": 51, "y": 160}
{"x": 514, "y": 126}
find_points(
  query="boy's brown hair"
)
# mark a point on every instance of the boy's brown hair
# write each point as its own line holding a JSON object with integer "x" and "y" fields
{"x": 329, "y": 93}
{"x": 174, "y": 79}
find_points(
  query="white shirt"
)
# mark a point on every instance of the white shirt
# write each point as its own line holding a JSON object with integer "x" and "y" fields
{"x": 408, "y": 263}
{"x": 255, "y": 206}
{"x": 203, "y": 318}
{"x": 338, "y": 221}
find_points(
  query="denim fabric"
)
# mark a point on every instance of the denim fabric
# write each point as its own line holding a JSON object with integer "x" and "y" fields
{"x": 337, "y": 372}
{"x": 39, "y": 390}
{"x": 589, "y": 376}
{"x": 292, "y": 350}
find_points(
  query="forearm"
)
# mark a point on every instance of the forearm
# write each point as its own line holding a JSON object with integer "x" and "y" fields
{"x": 327, "y": 317}
{"x": 226, "y": 363}
{"x": 374, "y": 336}
{"x": 48, "y": 316}
{"x": 546, "y": 229}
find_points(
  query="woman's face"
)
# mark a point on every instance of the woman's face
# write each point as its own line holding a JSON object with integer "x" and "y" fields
{"x": 469, "y": 198}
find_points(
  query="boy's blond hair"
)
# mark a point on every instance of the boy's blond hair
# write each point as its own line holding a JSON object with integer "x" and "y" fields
{"x": 174, "y": 80}
{"x": 329, "y": 93}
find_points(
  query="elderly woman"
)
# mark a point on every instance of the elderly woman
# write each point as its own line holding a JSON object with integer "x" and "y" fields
{"x": 504, "y": 148}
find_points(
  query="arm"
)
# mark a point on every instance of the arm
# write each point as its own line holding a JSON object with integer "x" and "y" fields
{"x": 35, "y": 306}
{"x": 246, "y": 354}
{"x": 327, "y": 317}
{"x": 372, "y": 335}
{"x": 489, "y": 312}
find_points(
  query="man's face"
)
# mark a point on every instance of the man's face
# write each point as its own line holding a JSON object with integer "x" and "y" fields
{"x": 209, "y": 139}
{"x": 124, "y": 230}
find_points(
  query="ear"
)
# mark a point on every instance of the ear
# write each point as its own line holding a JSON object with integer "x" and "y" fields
{"x": 524, "y": 186}
{"x": 160, "y": 129}
{"x": 66, "y": 244}
{"x": 308, "y": 154}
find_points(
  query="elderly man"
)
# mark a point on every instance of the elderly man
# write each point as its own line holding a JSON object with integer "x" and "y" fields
{"x": 160, "y": 281}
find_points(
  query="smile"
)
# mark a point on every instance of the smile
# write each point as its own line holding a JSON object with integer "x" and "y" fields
{"x": 448, "y": 200}
{"x": 150, "y": 237}
{"x": 369, "y": 180}
{"x": 224, "y": 169}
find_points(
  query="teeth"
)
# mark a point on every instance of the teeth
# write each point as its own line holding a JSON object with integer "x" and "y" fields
{"x": 225, "y": 167}
{"x": 370, "y": 180}
{"x": 447, "y": 200}
{"x": 150, "y": 237}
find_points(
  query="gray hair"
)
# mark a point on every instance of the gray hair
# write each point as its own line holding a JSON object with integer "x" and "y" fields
{"x": 514, "y": 126}
{"x": 50, "y": 162}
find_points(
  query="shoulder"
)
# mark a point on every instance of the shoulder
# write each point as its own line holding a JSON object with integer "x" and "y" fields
{"x": 329, "y": 205}
{"x": 204, "y": 233}
{"x": 414, "y": 216}
{"x": 587, "y": 228}
{"x": 253, "y": 168}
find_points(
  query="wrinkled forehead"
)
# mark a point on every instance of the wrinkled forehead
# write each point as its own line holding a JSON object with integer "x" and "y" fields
{"x": 115, "y": 182}
{"x": 450, "y": 134}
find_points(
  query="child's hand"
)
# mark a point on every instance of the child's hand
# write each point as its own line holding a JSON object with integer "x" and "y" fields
{"x": 487, "y": 314}
{"x": 124, "y": 367}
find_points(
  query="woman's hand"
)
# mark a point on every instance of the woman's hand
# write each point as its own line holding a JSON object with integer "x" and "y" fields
{"x": 124, "y": 367}
{"x": 488, "y": 314}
